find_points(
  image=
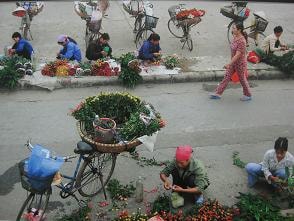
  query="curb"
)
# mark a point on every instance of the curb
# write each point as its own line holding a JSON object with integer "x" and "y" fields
{"x": 193, "y": 76}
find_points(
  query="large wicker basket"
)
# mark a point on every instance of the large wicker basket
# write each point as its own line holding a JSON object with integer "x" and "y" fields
{"x": 105, "y": 148}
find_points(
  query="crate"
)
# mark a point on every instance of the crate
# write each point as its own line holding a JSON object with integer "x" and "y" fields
{"x": 261, "y": 24}
{"x": 150, "y": 21}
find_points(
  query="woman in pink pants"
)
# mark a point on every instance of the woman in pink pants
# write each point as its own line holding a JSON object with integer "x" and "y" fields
{"x": 238, "y": 63}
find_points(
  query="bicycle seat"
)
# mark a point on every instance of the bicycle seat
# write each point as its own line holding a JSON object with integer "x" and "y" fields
{"x": 83, "y": 148}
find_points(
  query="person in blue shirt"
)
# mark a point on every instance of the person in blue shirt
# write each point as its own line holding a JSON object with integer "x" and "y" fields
{"x": 21, "y": 47}
{"x": 70, "y": 50}
{"x": 150, "y": 51}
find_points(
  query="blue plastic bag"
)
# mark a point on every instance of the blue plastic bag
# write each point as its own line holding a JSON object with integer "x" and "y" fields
{"x": 41, "y": 165}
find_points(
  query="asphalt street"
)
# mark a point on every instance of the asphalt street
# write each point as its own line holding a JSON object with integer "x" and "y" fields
{"x": 214, "y": 128}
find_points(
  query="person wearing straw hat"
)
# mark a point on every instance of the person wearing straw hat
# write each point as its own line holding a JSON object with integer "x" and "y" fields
{"x": 189, "y": 176}
{"x": 70, "y": 50}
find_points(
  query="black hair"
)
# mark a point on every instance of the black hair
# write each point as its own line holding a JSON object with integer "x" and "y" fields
{"x": 278, "y": 29}
{"x": 154, "y": 37}
{"x": 281, "y": 144}
{"x": 16, "y": 35}
{"x": 240, "y": 26}
{"x": 105, "y": 36}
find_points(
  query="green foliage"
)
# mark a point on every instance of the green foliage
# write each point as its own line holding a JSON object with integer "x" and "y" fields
{"x": 123, "y": 108}
{"x": 285, "y": 62}
{"x": 125, "y": 59}
{"x": 237, "y": 161}
{"x": 9, "y": 75}
{"x": 77, "y": 215}
{"x": 171, "y": 62}
{"x": 129, "y": 77}
{"x": 255, "y": 208}
{"x": 161, "y": 203}
{"x": 143, "y": 161}
{"x": 135, "y": 127}
{"x": 117, "y": 106}
{"x": 118, "y": 191}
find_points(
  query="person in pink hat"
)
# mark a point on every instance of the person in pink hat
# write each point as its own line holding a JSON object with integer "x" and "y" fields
{"x": 189, "y": 176}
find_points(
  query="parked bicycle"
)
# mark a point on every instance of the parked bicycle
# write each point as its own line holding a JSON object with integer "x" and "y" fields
{"x": 238, "y": 12}
{"x": 92, "y": 12}
{"x": 27, "y": 10}
{"x": 92, "y": 173}
{"x": 144, "y": 21}
{"x": 181, "y": 28}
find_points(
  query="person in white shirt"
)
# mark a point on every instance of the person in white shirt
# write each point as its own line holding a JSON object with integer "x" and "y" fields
{"x": 273, "y": 165}
{"x": 273, "y": 43}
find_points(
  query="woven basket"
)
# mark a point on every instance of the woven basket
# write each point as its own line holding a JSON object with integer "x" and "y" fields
{"x": 105, "y": 148}
{"x": 190, "y": 21}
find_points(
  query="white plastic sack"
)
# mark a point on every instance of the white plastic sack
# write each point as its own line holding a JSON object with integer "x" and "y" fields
{"x": 96, "y": 16}
{"x": 149, "y": 141}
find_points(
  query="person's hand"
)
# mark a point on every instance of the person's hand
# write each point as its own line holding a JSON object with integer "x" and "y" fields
{"x": 177, "y": 188}
{"x": 227, "y": 66}
{"x": 104, "y": 53}
{"x": 167, "y": 185}
{"x": 156, "y": 54}
{"x": 274, "y": 179}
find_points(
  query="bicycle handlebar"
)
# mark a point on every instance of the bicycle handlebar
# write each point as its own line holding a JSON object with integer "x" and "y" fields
{"x": 65, "y": 158}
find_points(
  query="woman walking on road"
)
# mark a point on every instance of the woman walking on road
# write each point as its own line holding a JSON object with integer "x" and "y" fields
{"x": 238, "y": 64}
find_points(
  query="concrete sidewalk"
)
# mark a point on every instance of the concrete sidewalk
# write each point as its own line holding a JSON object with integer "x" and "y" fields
{"x": 196, "y": 69}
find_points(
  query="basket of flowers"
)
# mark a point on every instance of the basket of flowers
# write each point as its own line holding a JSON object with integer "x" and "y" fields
{"x": 129, "y": 116}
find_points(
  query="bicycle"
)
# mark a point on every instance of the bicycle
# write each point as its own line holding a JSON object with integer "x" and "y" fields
{"x": 145, "y": 30}
{"x": 181, "y": 28}
{"x": 256, "y": 29}
{"x": 95, "y": 166}
{"x": 27, "y": 10}
{"x": 84, "y": 9}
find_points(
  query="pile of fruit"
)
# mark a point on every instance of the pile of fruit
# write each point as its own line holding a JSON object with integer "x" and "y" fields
{"x": 190, "y": 13}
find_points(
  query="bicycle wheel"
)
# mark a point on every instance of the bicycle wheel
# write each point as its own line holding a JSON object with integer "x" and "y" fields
{"x": 229, "y": 33}
{"x": 36, "y": 204}
{"x": 88, "y": 179}
{"x": 142, "y": 36}
{"x": 138, "y": 23}
{"x": 175, "y": 29}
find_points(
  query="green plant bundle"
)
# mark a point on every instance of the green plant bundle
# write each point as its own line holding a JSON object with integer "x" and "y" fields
{"x": 255, "y": 208}
{"x": 9, "y": 75}
{"x": 285, "y": 62}
{"x": 85, "y": 65}
{"x": 125, "y": 59}
{"x": 123, "y": 108}
{"x": 171, "y": 62}
{"x": 237, "y": 161}
{"x": 129, "y": 77}
{"x": 161, "y": 203}
{"x": 82, "y": 214}
{"x": 118, "y": 191}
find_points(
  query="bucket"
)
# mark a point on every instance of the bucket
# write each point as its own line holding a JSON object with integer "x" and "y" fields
{"x": 102, "y": 134}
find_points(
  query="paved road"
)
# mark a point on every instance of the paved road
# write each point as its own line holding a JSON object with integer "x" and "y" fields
{"x": 209, "y": 36}
{"x": 213, "y": 128}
